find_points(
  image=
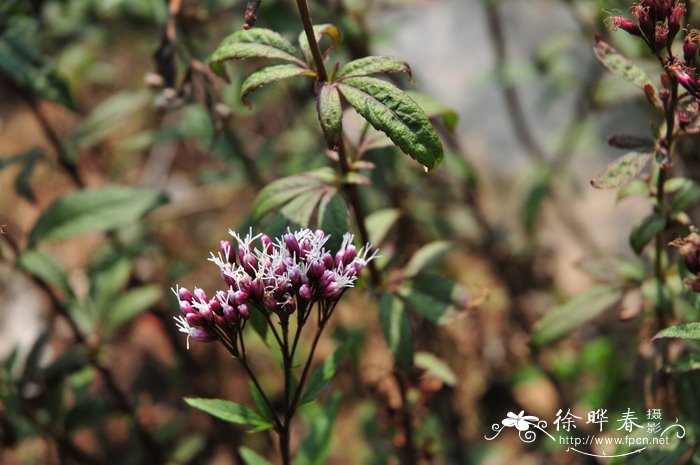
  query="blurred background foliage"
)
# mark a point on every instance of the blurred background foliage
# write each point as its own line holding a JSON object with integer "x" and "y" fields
{"x": 161, "y": 159}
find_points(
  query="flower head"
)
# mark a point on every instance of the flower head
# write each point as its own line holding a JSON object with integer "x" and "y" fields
{"x": 272, "y": 276}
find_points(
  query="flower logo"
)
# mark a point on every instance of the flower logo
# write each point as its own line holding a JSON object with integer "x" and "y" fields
{"x": 521, "y": 421}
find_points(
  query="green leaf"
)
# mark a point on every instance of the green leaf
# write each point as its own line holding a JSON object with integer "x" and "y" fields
{"x": 330, "y": 114}
{"x": 686, "y": 194}
{"x": 426, "y": 257}
{"x": 315, "y": 446}
{"x": 323, "y": 374}
{"x": 28, "y": 160}
{"x": 252, "y": 458}
{"x": 397, "y": 329}
{"x": 392, "y": 111}
{"x": 320, "y": 30}
{"x": 91, "y": 210}
{"x": 435, "y": 109}
{"x": 380, "y": 222}
{"x": 333, "y": 218}
{"x": 436, "y": 367}
{"x": 621, "y": 171}
{"x": 435, "y": 297}
{"x": 633, "y": 188}
{"x": 130, "y": 304}
{"x": 563, "y": 319}
{"x": 645, "y": 231}
{"x": 260, "y": 403}
{"x": 254, "y": 43}
{"x": 620, "y": 65}
{"x": 300, "y": 209}
{"x": 45, "y": 267}
{"x": 280, "y": 192}
{"x": 373, "y": 65}
{"x": 685, "y": 331}
{"x": 534, "y": 201}
{"x": 24, "y": 64}
{"x": 231, "y": 412}
{"x": 268, "y": 75}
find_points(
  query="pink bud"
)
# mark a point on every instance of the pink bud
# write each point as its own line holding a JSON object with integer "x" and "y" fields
{"x": 268, "y": 246}
{"x": 226, "y": 250}
{"x": 184, "y": 294}
{"x": 194, "y": 319}
{"x": 626, "y": 25}
{"x": 186, "y": 307}
{"x": 215, "y": 307}
{"x": 660, "y": 35}
{"x": 199, "y": 295}
{"x": 243, "y": 310}
{"x": 305, "y": 292}
{"x": 202, "y": 335}
{"x": 690, "y": 49}
{"x": 292, "y": 244}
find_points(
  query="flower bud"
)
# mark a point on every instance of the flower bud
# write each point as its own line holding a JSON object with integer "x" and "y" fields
{"x": 660, "y": 35}
{"x": 249, "y": 264}
{"x": 195, "y": 319}
{"x": 292, "y": 245}
{"x": 690, "y": 49}
{"x": 200, "y": 296}
{"x": 646, "y": 24}
{"x": 626, "y": 25}
{"x": 689, "y": 248}
{"x": 268, "y": 246}
{"x": 184, "y": 294}
{"x": 186, "y": 307}
{"x": 316, "y": 270}
{"x": 226, "y": 250}
{"x": 305, "y": 292}
{"x": 215, "y": 307}
{"x": 674, "y": 20}
{"x": 202, "y": 335}
{"x": 243, "y": 311}
{"x": 328, "y": 260}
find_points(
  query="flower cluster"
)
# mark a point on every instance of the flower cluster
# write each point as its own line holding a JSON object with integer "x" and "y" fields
{"x": 294, "y": 271}
{"x": 689, "y": 248}
{"x": 657, "y": 22}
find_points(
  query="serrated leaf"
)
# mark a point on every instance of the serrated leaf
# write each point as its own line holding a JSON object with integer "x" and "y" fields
{"x": 435, "y": 367}
{"x": 129, "y": 305}
{"x": 301, "y": 208}
{"x": 371, "y": 65}
{"x": 323, "y": 374}
{"x": 620, "y": 65}
{"x": 621, "y": 170}
{"x": 254, "y": 43}
{"x": 397, "y": 329}
{"x": 231, "y": 412}
{"x": 561, "y": 320}
{"x": 645, "y": 231}
{"x": 330, "y": 114}
{"x": 92, "y": 210}
{"x": 268, "y": 75}
{"x": 252, "y": 458}
{"x": 380, "y": 222}
{"x": 282, "y": 191}
{"x": 392, "y": 111}
{"x": 426, "y": 256}
{"x": 315, "y": 446}
{"x": 320, "y": 30}
{"x": 435, "y": 109}
{"x": 685, "y": 331}
{"x": 45, "y": 267}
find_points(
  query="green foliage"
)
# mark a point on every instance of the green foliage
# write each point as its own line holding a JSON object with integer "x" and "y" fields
{"x": 371, "y": 65}
{"x": 252, "y": 458}
{"x": 320, "y": 31}
{"x": 330, "y": 114}
{"x": 685, "y": 331}
{"x": 621, "y": 171}
{"x": 40, "y": 264}
{"x": 393, "y": 112}
{"x": 645, "y": 231}
{"x": 324, "y": 373}
{"x": 268, "y": 75}
{"x": 397, "y": 329}
{"x": 231, "y": 412}
{"x": 620, "y": 65}
{"x": 316, "y": 445}
{"x": 561, "y": 320}
{"x": 91, "y": 210}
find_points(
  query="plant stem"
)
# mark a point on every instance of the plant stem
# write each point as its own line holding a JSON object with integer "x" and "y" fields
{"x": 313, "y": 44}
